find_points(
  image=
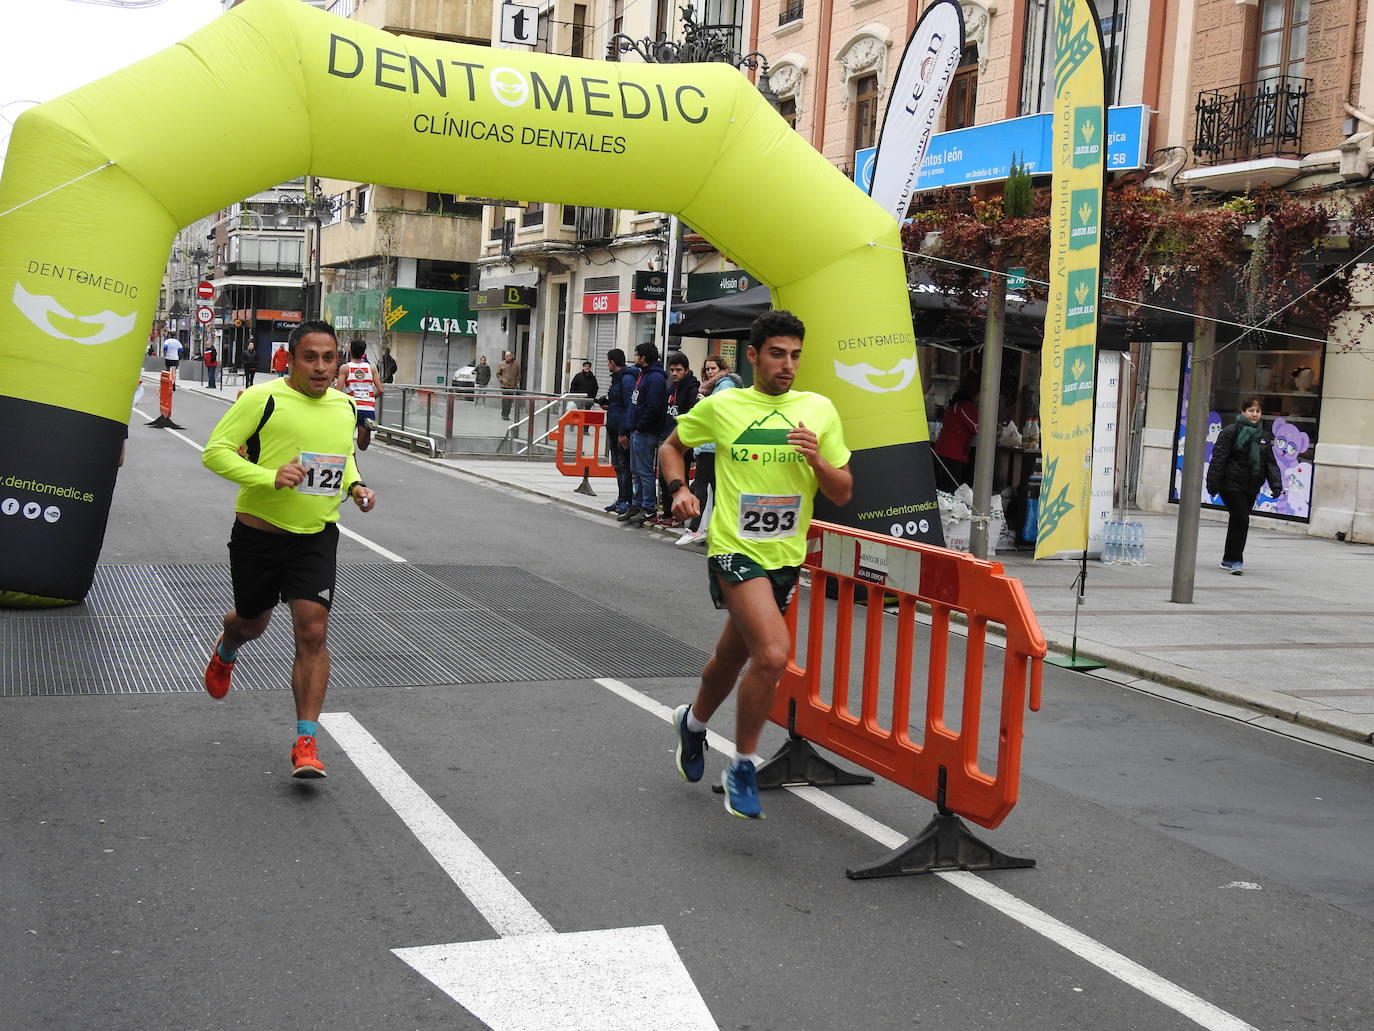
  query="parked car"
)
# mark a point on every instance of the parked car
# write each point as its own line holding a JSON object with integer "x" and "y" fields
{"x": 465, "y": 379}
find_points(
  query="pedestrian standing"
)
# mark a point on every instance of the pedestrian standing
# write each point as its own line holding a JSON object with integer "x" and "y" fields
{"x": 483, "y": 376}
{"x": 508, "y": 375}
{"x": 717, "y": 376}
{"x": 683, "y": 391}
{"x": 617, "y": 404}
{"x": 1242, "y": 460}
{"x": 957, "y": 431}
{"x": 388, "y": 366}
{"x": 250, "y": 364}
{"x": 643, "y": 433}
{"x": 585, "y": 383}
{"x": 289, "y": 445}
{"x": 210, "y": 356}
{"x": 280, "y": 360}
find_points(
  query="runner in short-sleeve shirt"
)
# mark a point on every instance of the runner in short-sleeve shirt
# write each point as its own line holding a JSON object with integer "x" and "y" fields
{"x": 764, "y": 486}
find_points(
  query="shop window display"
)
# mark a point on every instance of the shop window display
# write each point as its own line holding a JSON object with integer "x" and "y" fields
{"x": 1285, "y": 373}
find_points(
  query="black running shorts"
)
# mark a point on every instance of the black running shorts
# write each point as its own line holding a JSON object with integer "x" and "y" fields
{"x": 271, "y": 567}
{"x": 736, "y": 568}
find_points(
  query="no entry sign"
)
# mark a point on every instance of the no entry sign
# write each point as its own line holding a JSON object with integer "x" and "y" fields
{"x": 205, "y": 291}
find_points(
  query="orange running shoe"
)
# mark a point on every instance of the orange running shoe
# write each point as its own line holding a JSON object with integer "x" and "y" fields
{"x": 305, "y": 760}
{"x": 217, "y": 673}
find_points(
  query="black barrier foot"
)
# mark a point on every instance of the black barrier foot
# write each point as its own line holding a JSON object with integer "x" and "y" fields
{"x": 946, "y": 843}
{"x": 164, "y": 423}
{"x": 797, "y": 762}
{"x": 585, "y": 487}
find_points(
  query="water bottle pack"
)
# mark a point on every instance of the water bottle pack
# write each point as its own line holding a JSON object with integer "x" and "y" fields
{"x": 1124, "y": 544}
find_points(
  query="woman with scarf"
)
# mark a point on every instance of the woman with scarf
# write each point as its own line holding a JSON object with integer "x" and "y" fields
{"x": 1242, "y": 459}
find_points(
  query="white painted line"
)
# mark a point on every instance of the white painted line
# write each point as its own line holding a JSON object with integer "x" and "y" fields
{"x": 390, "y": 556}
{"x": 1180, "y": 1000}
{"x": 501, "y": 905}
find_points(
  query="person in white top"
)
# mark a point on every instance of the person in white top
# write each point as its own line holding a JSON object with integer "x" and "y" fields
{"x": 359, "y": 380}
{"x": 172, "y": 356}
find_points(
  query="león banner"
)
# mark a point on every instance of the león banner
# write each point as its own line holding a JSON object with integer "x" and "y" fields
{"x": 1068, "y": 363}
{"x": 90, "y": 202}
{"x": 914, "y": 103}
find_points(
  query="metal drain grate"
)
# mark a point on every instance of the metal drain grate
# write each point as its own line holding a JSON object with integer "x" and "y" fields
{"x": 148, "y": 629}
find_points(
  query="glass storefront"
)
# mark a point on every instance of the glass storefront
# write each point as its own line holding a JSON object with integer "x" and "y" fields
{"x": 1285, "y": 373}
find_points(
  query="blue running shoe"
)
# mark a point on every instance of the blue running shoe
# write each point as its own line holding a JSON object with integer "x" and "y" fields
{"x": 742, "y": 791}
{"x": 691, "y": 747}
{"x": 1237, "y": 569}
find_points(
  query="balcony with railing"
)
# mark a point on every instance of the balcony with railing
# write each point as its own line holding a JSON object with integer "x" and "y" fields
{"x": 791, "y": 11}
{"x": 596, "y": 225}
{"x": 1251, "y": 121}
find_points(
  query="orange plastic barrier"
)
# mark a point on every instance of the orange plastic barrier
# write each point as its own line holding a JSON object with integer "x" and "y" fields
{"x": 944, "y": 765}
{"x": 571, "y": 457}
{"x": 164, "y": 396}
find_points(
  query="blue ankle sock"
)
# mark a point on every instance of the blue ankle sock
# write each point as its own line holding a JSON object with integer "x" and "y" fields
{"x": 225, "y": 656}
{"x": 307, "y": 728}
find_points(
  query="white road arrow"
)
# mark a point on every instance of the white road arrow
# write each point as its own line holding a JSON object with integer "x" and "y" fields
{"x": 531, "y": 978}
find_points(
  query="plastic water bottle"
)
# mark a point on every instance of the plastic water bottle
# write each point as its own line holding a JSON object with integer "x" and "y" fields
{"x": 1137, "y": 544}
{"x": 1111, "y": 544}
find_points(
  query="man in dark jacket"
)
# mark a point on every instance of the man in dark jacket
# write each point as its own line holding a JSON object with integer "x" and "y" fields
{"x": 644, "y": 431}
{"x": 1242, "y": 460}
{"x": 585, "y": 383}
{"x": 683, "y": 392}
{"x": 617, "y": 404}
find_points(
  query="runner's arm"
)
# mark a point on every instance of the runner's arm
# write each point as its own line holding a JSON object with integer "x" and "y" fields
{"x": 376, "y": 380}
{"x": 673, "y": 466}
{"x": 835, "y": 482}
{"x": 221, "y": 455}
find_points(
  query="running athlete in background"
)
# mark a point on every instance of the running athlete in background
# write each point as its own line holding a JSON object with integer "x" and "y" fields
{"x": 289, "y": 444}
{"x": 359, "y": 380}
{"x": 775, "y": 447}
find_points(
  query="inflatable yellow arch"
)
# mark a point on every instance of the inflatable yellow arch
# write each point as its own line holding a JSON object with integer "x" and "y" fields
{"x": 92, "y": 196}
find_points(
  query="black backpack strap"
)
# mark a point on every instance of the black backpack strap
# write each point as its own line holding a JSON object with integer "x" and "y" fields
{"x": 253, "y": 445}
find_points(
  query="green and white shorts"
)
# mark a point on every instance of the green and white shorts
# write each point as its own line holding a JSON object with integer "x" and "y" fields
{"x": 737, "y": 568}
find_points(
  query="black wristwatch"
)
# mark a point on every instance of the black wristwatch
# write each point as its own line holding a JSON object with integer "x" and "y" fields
{"x": 356, "y": 483}
{"x": 674, "y": 486}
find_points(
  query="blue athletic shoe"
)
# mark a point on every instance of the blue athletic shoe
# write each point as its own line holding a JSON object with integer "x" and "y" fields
{"x": 1237, "y": 569}
{"x": 742, "y": 791}
{"x": 691, "y": 747}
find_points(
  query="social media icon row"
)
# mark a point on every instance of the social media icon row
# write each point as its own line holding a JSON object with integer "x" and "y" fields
{"x": 912, "y": 528}
{"x": 31, "y": 510}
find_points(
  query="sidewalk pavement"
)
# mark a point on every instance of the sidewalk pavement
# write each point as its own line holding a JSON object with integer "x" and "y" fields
{"x": 1291, "y": 640}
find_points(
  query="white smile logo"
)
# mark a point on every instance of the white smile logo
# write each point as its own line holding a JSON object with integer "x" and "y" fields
{"x": 509, "y": 87}
{"x": 863, "y": 375}
{"x": 38, "y": 308}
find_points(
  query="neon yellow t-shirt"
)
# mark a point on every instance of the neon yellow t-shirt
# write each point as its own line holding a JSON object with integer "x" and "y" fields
{"x": 319, "y": 430}
{"x": 764, "y": 487}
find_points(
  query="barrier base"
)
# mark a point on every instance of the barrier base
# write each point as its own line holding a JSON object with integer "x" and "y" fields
{"x": 797, "y": 762}
{"x": 164, "y": 423}
{"x": 946, "y": 843}
{"x": 585, "y": 487}
{"x": 1074, "y": 661}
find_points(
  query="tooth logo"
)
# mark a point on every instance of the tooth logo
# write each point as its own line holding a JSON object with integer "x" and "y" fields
{"x": 509, "y": 87}
{"x": 863, "y": 375}
{"x": 39, "y": 309}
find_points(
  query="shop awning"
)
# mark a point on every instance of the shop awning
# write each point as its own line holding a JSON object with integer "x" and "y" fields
{"x": 938, "y": 319}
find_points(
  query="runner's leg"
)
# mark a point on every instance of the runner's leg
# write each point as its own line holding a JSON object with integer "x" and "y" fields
{"x": 239, "y": 631}
{"x": 310, "y": 669}
{"x": 761, "y": 627}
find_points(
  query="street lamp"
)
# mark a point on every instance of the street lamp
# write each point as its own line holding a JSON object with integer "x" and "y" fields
{"x": 700, "y": 44}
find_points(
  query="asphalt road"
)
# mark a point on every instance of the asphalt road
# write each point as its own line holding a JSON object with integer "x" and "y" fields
{"x": 159, "y": 869}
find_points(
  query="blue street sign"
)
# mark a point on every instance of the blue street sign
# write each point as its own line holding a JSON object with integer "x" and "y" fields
{"x": 983, "y": 153}
{"x": 863, "y": 168}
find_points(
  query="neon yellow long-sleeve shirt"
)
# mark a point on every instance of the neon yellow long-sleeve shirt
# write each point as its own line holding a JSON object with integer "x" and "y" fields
{"x": 275, "y": 424}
